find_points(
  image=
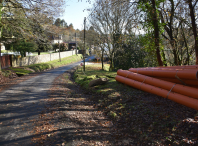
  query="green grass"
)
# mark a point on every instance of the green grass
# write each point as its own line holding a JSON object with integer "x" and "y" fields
{"x": 94, "y": 71}
{"x": 67, "y": 60}
{"x": 149, "y": 114}
{"x": 112, "y": 88}
{"x": 40, "y": 67}
{"x": 111, "y": 91}
{"x": 55, "y": 63}
{"x": 21, "y": 71}
{"x": 6, "y": 73}
{"x": 43, "y": 66}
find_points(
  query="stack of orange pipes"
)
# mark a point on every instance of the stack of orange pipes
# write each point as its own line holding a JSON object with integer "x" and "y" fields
{"x": 143, "y": 78}
{"x": 186, "y": 77}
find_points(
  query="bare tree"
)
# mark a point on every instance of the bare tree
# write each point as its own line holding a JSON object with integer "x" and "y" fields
{"x": 110, "y": 21}
{"x": 170, "y": 26}
{"x": 194, "y": 25}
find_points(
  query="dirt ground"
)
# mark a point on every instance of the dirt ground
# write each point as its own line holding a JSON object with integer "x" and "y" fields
{"x": 12, "y": 79}
{"x": 73, "y": 116}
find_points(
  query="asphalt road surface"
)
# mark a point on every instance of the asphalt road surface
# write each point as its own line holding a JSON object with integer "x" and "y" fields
{"x": 22, "y": 103}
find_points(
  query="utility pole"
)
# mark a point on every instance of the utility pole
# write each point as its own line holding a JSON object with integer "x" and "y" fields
{"x": 76, "y": 43}
{"x": 59, "y": 48}
{"x": 84, "y": 45}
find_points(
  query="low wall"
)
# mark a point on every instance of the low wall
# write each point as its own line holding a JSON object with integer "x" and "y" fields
{"x": 16, "y": 62}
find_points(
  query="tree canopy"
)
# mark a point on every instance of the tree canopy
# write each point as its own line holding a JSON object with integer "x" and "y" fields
{"x": 23, "y": 21}
{"x": 169, "y": 28}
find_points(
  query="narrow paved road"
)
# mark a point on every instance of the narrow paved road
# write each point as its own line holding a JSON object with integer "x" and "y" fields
{"x": 21, "y": 104}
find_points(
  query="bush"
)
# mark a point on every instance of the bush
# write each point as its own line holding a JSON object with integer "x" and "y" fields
{"x": 55, "y": 46}
{"x": 22, "y": 46}
{"x": 63, "y": 47}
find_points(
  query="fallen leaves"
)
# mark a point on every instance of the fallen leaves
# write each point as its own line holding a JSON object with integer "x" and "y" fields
{"x": 137, "y": 118}
{"x": 74, "y": 111}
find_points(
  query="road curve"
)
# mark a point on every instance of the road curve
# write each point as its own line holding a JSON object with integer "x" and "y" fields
{"x": 22, "y": 103}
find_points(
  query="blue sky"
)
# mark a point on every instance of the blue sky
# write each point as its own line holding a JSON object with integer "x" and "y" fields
{"x": 74, "y": 12}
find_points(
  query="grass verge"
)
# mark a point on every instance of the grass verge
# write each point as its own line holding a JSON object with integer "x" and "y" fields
{"x": 140, "y": 117}
{"x": 21, "y": 71}
{"x": 43, "y": 66}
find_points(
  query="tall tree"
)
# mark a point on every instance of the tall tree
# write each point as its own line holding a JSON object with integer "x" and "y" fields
{"x": 151, "y": 12}
{"x": 57, "y": 22}
{"x": 23, "y": 17}
{"x": 194, "y": 25}
{"x": 170, "y": 24}
{"x": 110, "y": 22}
{"x": 63, "y": 23}
{"x": 71, "y": 26}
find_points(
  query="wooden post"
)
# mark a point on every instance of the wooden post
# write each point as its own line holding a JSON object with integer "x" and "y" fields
{"x": 84, "y": 45}
{"x": 76, "y": 43}
{"x": 59, "y": 49}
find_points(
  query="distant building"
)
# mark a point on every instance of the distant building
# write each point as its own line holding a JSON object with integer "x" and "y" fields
{"x": 56, "y": 39}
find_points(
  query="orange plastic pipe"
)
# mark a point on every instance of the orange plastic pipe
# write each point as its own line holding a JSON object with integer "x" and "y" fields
{"x": 187, "y": 82}
{"x": 164, "y": 68}
{"x": 183, "y": 67}
{"x": 182, "y": 74}
{"x": 181, "y": 89}
{"x": 194, "y": 86}
{"x": 173, "y": 67}
{"x": 181, "y": 99}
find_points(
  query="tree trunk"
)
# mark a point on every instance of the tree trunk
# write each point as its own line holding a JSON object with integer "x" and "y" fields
{"x": 175, "y": 57}
{"x": 111, "y": 68}
{"x": 0, "y": 33}
{"x": 170, "y": 32}
{"x": 186, "y": 45}
{"x": 99, "y": 81}
{"x": 0, "y": 56}
{"x": 164, "y": 58}
{"x": 102, "y": 59}
{"x": 39, "y": 52}
{"x": 192, "y": 15}
{"x": 156, "y": 33}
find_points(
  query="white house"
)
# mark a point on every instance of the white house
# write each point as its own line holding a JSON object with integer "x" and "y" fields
{"x": 57, "y": 39}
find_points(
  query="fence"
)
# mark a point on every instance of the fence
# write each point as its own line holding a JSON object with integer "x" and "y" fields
{"x": 6, "y": 61}
{"x": 16, "y": 62}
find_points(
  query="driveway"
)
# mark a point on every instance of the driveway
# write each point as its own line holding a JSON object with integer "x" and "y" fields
{"x": 21, "y": 104}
